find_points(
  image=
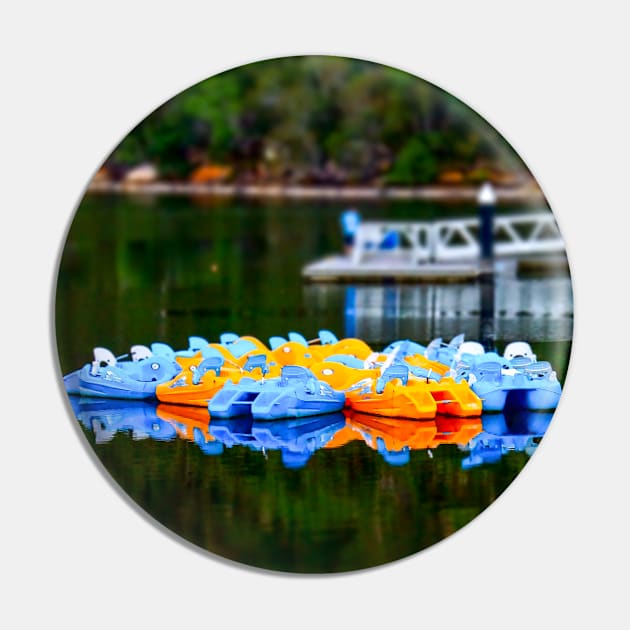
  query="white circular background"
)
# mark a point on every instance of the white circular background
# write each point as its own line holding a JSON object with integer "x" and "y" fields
{"x": 553, "y": 549}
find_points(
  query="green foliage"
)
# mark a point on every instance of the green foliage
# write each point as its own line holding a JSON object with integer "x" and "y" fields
{"x": 305, "y": 118}
{"x": 415, "y": 164}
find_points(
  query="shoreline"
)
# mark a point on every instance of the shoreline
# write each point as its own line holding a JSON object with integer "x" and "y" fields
{"x": 526, "y": 192}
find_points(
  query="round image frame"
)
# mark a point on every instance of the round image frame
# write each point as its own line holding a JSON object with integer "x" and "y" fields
{"x": 156, "y": 263}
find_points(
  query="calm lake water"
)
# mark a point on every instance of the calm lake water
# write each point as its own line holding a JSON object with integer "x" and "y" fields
{"x": 335, "y": 493}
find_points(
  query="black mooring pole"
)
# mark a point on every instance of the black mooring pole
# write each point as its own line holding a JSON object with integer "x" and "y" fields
{"x": 486, "y": 201}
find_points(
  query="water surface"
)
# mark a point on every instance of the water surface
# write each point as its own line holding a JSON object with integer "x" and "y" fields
{"x": 337, "y": 493}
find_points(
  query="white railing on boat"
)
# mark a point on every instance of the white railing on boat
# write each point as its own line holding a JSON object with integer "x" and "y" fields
{"x": 452, "y": 240}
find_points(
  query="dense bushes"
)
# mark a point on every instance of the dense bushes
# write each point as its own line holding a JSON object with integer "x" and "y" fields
{"x": 317, "y": 120}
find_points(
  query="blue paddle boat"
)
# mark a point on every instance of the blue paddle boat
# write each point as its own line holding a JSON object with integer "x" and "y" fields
{"x": 516, "y": 380}
{"x": 296, "y": 393}
{"x": 130, "y": 364}
{"x": 442, "y": 352}
{"x": 109, "y": 377}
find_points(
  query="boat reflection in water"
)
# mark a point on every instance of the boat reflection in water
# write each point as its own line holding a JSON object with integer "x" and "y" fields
{"x": 485, "y": 440}
{"x": 191, "y": 424}
{"x": 502, "y": 433}
{"x": 296, "y": 439}
{"x": 394, "y": 438}
{"x": 106, "y": 417}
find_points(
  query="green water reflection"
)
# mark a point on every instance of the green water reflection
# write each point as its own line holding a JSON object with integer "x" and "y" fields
{"x": 368, "y": 491}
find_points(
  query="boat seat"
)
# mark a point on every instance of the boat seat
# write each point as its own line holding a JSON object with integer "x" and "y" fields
{"x": 140, "y": 352}
{"x": 156, "y": 369}
{"x": 415, "y": 348}
{"x": 163, "y": 350}
{"x": 406, "y": 348}
{"x": 434, "y": 344}
{"x": 469, "y": 348}
{"x": 518, "y": 349}
{"x": 228, "y": 338}
{"x": 298, "y": 338}
{"x": 489, "y": 371}
{"x": 294, "y": 373}
{"x": 240, "y": 347}
{"x": 518, "y": 363}
{"x": 211, "y": 363}
{"x": 426, "y": 373}
{"x": 104, "y": 355}
{"x": 538, "y": 368}
{"x": 326, "y": 337}
{"x": 276, "y": 342}
{"x": 256, "y": 361}
{"x": 345, "y": 359}
{"x": 196, "y": 343}
{"x": 397, "y": 371}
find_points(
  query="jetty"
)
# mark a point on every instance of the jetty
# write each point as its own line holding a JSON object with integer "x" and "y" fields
{"x": 442, "y": 250}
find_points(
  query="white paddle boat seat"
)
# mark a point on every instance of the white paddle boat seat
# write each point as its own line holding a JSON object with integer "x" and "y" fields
{"x": 518, "y": 349}
{"x": 140, "y": 352}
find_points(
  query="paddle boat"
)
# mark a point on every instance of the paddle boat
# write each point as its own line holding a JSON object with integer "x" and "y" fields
{"x": 415, "y": 355}
{"x": 396, "y": 389}
{"x": 200, "y": 381}
{"x": 237, "y": 349}
{"x": 516, "y": 380}
{"x": 386, "y": 392}
{"x": 296, "y": 393}
{"x": 296, "y": 350}
{"x": 231, "y": 358}
{"x": 443, "y": 352}
{"x": 108, "y": 376}
{"x": 125, "y": 381}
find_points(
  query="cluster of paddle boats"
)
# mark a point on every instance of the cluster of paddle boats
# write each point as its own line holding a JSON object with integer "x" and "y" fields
{"x": 294, "y": 377}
